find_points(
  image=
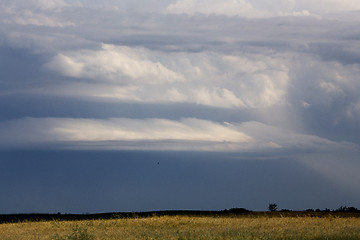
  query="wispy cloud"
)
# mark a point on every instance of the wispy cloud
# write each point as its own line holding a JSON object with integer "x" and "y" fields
{"x": 261, "y": 9}
{"x": 35, "y": 12}
{"x": 30, "y": 131}
{"x": 231, "y": 8}
{"x": 159, "y": 134}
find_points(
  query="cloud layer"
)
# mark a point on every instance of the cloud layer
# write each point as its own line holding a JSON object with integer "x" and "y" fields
{"x": 288, "y": 68}
{"x": 158, "y": 134}
{"x": 264, "y": 95}
{"x": 206, "y": 78}
{"x": 261, "y": 9}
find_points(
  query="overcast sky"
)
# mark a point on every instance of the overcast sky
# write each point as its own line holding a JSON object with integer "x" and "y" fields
{"x": 220, "y": 91}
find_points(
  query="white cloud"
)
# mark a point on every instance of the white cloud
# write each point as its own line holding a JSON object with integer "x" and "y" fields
{"x": 275, "y": 137}
{"x": 185, "y": 134}
{"x": 261, "y": 8}
{"x": 67, "y": 66}
{"x": 35, "y": 12}
{"x": 30, "y": 18}
{"x": 303, "y": 13}
{"x": 40, "y": 42}
{"x": 206, "y": 78}
{"x": 327, "y": 6}
{"x": 116, "y": 64}
{"x": 216, "y": 97}
{"x": 327, "y": 85}
{"x": 305, "y": 104}
{"x": 147, "y": 129}
{"x": 30, "y": 131}
{"x": 229, "y": 7}
{"x": 51, "y": 5}
{"x": 353, "y": 111}
{"x": 11, "y": 6}
{"x": 331, "y": 88}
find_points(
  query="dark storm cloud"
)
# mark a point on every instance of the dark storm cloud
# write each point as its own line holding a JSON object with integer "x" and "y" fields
{"x": 185, "y": 75}
{"x": 133, "y": 181}
{"x": 18, "y": 66}
{"x": 336, "y": 52}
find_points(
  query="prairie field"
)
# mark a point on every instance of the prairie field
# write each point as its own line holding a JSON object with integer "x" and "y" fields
{"x": 188, "y": 227}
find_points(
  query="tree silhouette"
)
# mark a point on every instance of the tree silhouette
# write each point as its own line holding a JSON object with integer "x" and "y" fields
{"x": 272, "y": 207}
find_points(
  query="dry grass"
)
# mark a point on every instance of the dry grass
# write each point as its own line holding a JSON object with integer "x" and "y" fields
{"x": 186, "y": 227}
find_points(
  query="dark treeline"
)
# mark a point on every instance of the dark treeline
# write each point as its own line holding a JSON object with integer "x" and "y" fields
{"x": 35, "y": 217}
{"x": 340, "y": 209}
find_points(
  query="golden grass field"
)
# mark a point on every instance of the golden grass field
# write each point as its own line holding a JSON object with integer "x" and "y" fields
{"x": 187, "y": 227}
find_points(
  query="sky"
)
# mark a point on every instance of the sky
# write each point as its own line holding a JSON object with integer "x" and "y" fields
{"x": 178, "y": 104}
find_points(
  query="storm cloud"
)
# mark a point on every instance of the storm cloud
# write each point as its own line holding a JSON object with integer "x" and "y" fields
{"x": 183, "y": 75}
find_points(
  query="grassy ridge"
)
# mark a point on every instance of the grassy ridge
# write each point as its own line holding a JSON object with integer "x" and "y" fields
{"x": 248, "y": 227}
{"x": 13, "y": 218}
